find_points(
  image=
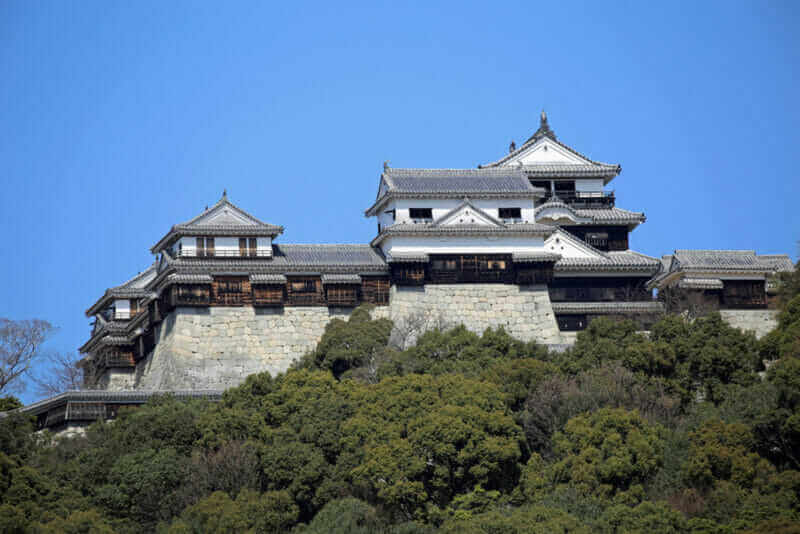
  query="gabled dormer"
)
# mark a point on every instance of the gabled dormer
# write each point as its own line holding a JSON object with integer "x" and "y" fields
{"x": 560, "y": 169}
{"x": 467, "y": 213}
{"x": 225, "y": 230}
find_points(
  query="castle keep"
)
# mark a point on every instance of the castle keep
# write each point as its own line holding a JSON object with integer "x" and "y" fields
{"x": 533, "y": 242}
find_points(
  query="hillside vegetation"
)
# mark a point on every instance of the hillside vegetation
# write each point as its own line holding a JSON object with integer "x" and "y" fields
{"x": 680, "y": 431}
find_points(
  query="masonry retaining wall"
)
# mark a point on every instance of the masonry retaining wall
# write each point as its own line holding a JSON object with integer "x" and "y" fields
{"x": 216, "y": 348}
{"x": 758, "y": 321}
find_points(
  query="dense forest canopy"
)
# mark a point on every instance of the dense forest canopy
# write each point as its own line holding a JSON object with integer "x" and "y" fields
{"x": 694, "y": 428}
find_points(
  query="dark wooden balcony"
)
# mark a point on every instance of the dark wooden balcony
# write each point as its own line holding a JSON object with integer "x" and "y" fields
{"x": 343, "y": 295}
{"x": 375, "y": 290}
{"x": 408, "y": 274}
{"x": 471, "y": 268}
{"x": 599, "y": 290}
{"x": 269, "y": 296}
{"x": 86, "y": 411}
{"x": 606, "y": 199}
{"x": 190, "y": 295}
{"x": 540, "y": 274}
{"x": 119, "y": 358}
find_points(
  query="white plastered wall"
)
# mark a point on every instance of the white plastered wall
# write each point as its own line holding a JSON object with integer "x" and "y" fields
{"x": 546, "y": 151}
{"x": 593, "y": 185}
{"x": 223, "y": 246}
{"x": 122, "y": 309}
{"x": 566, "y": 247}
{"x": 441, "y": 207}
{"x": 461, "y": 245}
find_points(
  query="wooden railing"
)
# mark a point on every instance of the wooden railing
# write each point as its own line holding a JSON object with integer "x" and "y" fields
{"x": 606, "y": 199}
{"x": 269, "y": 296}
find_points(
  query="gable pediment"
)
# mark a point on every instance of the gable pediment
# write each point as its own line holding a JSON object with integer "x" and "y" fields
{"x": 546, "y": 151}
{"x": 467, "y": 214}
{"x": 561, "y": 242}
{"x": 224, "y": 215}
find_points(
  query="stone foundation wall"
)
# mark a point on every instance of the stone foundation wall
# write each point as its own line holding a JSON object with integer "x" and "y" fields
{"x": 117, "y": 380}
{"x": 758, "y": 321}
{"x": 524, "y": 311}
{"x": 216, "y": 348}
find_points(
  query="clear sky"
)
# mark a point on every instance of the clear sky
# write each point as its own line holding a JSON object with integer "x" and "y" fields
{"x": 119, "y": 119}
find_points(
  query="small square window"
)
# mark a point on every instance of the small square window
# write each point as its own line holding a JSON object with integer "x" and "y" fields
{"x": 510, "y": 213}
{"x": 420, "y": 213}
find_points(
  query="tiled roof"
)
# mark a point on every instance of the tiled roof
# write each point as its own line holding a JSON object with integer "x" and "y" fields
{"x": 190, "y": 278}
{"x": 462, "y": 229}
{"x": 415, "y": 257}
{"x": 115, "y": 397}
{"x": 716, "y": 260}
{"x": 611, "y": 261}
{"x": 450, "y": 183}
{"x": 569, "y": 170}
{"x": 607, "y": 307}
{"x": 611, "y": 215}
{"x": 267, "y": 279}
{"x": 590, "y": 168}
{"x": 593, "y": 215}
{"x": 534, "y": 257}
{"x": 330, "y": 279}
{"x": 345, "y": 255}
{"x": 133, "y": 288}
{"x": 700, "y": 283}
{"x": 780, "y": 263}
{"x": 291, "y": 258}
{"x": 223, "y": 219}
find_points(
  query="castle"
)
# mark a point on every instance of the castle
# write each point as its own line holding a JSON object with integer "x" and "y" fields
{"x": 533, "y": 242}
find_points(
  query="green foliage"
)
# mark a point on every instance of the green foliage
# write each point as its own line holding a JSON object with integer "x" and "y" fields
{"x": 421, "y": 438}
{"x": 9, "y": 403}
{"x": 559, "y": 398}
{"x": 671, "y": 432}
{"x": 788, "y": 285}
{"x": 646, "y": 518}
{"x": 720, "y": 451}
{"x": 345, "y": 516}
{"x": 16, "y": 435}
{"x": 251, "y": 512}
{"x": 145, "y": 486}
{"x": 78, "y": 522}
{"x": 522, "y": 520}
{"x": 610, "y": 452}
{"x": 356, "y": 342}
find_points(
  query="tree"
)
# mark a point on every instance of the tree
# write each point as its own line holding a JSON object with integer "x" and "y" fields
{"x": 606, "y": 453}
{"x": 420, "y": 440}
{"x": 63, "y": 375}
{"x": 266, "y": 513}
{"x": 20, "y": 342}
{"x": 352, "y": 343}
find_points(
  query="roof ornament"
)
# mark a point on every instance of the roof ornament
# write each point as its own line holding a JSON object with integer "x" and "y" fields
{"x": 512, "y": 147}
{"x": 544, "y": 128}
{"x": 225, "y": 194}
{"x": 386, "y": 165}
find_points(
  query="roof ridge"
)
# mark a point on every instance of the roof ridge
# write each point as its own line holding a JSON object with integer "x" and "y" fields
{"x": 631, "y": 251}
{"x": 714, "y": 250}
{"x": 137, "y": 276}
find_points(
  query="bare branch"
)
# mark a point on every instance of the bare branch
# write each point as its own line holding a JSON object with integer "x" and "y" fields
{"x": 19, "y": 347}
{"x": 63, "y": 374}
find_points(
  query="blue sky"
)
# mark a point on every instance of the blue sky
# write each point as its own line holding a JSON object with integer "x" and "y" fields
{"x": 119, "y": 119}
